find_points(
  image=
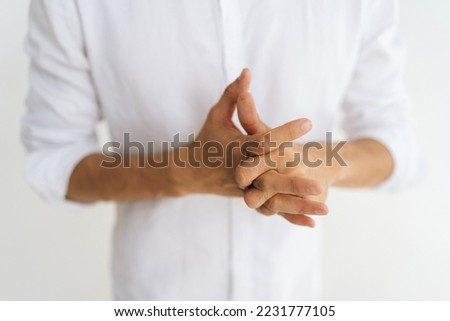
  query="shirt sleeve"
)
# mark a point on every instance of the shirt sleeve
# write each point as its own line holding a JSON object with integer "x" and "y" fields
{"x": 376, "y": 104}
{"x": 59, "y": 126}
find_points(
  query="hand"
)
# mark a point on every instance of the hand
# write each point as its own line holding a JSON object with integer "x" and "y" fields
{"x": 219, "y": 133}
{"x": 278, "y": 182}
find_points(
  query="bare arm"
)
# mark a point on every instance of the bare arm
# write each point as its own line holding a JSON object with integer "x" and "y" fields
{"x": 91, "y": 181}
{"x": 369, "y": 163}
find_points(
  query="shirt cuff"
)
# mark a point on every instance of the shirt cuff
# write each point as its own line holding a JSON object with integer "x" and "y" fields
{"x": 409, "y": 166}
{"x": 48, "y": 170}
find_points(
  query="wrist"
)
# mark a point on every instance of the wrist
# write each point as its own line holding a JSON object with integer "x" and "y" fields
{"x": 336, "y": 168}
{"x": 182, "y": 172}
{"x": 164, "y": 175}
{"x": 178, "y": 173}
{"x": 337, "y": 174}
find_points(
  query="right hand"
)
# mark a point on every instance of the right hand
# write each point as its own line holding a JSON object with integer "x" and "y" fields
{"x": 216, "y": 174}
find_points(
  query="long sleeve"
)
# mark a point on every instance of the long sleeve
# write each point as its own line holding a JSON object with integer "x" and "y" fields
{"x": 58, "y": 129}
{"x": 376, "y": 104}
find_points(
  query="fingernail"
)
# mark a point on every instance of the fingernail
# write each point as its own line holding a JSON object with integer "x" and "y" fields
{"x": 312, "y": 191}
{"x": 321, "y": 210}
{"x": 305, "y": 125}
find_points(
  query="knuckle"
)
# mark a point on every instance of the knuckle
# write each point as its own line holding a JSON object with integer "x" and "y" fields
{"x": 295, "y": 187}
{"x": 291, "y": 132}
{"x": 230, "y": 90}
{"x": 271, "y": 204}
{"x": 240, "y": 175}
{"x": 250, "y": 200}
{"x": 263, "y": 184}
{"x": 267, "y": 211}
{"x": 264, "y": 210}
{"x": 298, "y": 207}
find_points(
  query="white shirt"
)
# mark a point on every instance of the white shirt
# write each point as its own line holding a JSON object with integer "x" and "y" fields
{"x": 154, "y": 69}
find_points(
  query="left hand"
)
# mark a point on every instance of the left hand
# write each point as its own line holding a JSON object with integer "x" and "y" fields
{"x": 280, "y": 182}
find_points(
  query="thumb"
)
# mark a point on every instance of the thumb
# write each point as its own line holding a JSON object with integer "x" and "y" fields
{"x": 227, "y": 103}
{"x": 248, "y": 116}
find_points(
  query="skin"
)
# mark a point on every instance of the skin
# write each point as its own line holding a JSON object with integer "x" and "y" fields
{"x": 298, "y": 192}
{"x": 294, "y": 193}
{"x": 90, "y": 181}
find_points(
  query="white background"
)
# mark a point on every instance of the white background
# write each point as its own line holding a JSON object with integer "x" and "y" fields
{"x": 377, "y": 246}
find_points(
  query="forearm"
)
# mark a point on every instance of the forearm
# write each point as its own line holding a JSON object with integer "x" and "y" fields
{"x": 92, "y": 181}
{"x": 368, "y": 162}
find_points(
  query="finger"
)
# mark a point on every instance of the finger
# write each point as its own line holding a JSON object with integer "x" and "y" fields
{"x": 275, "y": 182}
{"x": 254, "y": 198}
{"x": 248, "y": 116}
{"x": 301, "y": 220}
{"x": 275, "y": 138}
{"x": 265, "y": 211}
{"x": 280, "y": 159}
{"x": 227, "y": 103}
{"x": 282, "y": 203}
{"x": 297, "y": 219}
{"x": 250, "y": 168}
{"x": 272, "y": 182}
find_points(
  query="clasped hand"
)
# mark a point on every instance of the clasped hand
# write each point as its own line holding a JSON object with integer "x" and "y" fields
{"x": 268, "y": 175}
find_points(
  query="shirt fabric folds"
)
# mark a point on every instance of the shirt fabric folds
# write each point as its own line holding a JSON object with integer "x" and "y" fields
{"x": 154, "y": 69}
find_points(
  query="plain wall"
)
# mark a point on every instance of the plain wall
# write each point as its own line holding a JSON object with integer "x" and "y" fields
{"x": 377, "y": 246}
